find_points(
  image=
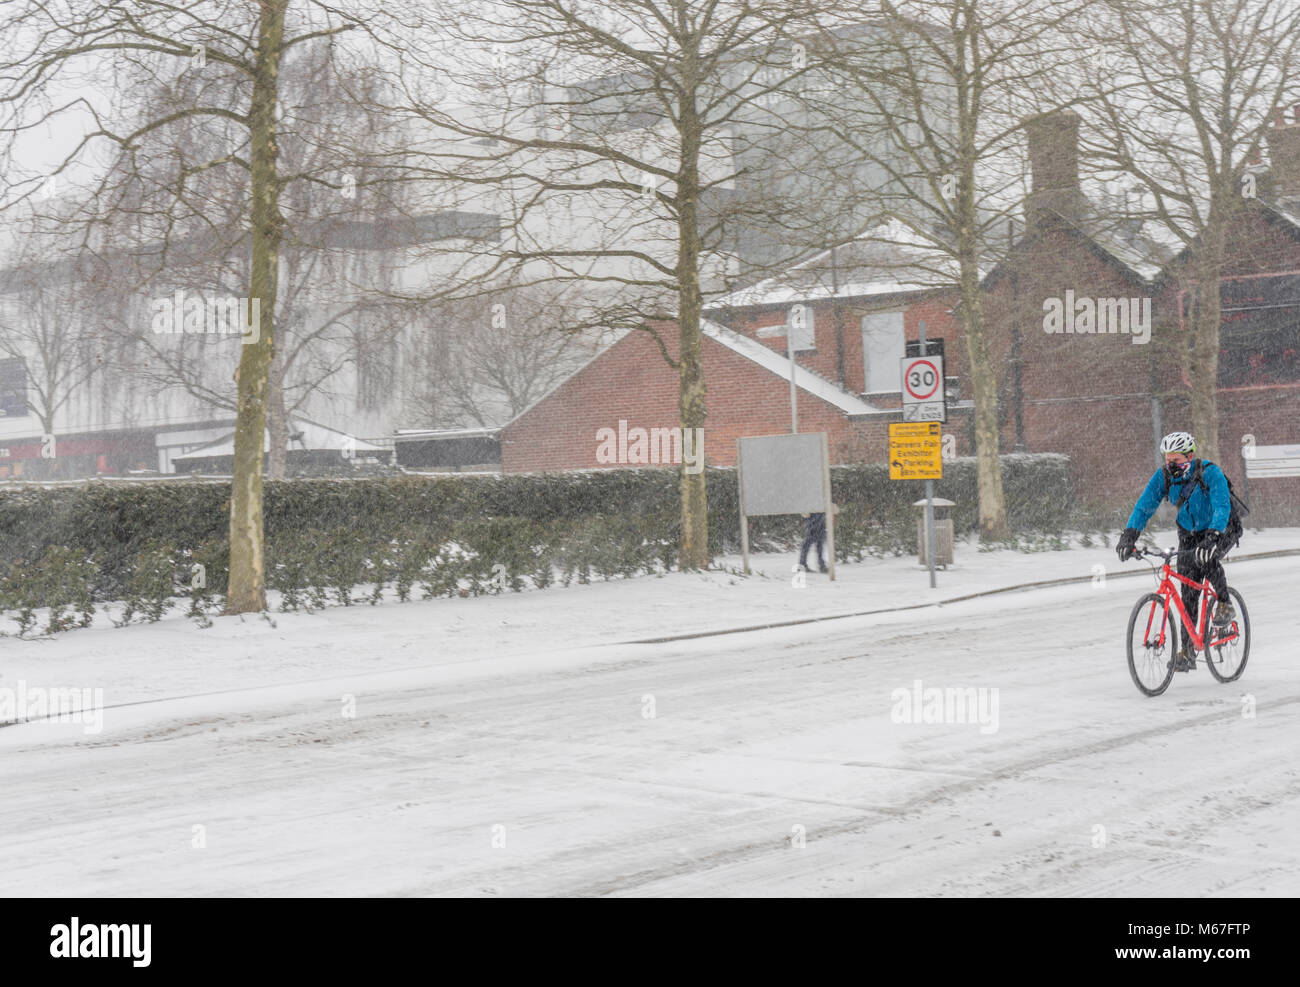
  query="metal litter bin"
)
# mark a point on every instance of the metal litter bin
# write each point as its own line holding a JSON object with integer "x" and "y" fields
{"x": 942, "y": 532}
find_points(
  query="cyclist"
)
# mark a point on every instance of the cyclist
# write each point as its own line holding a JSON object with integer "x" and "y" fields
{"x": 1202, "y": 516}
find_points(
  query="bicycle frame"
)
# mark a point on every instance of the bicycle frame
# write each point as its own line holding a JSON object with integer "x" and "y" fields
{"x": 1170, "y": 593}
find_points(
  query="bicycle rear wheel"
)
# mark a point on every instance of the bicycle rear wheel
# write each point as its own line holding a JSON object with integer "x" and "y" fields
{"x": 1226, "y": 652}
{"x": 1152, "y": 644}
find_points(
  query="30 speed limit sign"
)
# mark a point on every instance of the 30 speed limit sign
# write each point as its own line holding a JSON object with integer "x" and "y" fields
{"x": 923, "y": 389}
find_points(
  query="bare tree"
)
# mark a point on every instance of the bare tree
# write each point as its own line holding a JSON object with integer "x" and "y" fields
{"x": 50, "y": 52}
{"x": 335, "y": 264}
{"x": 946, "y": 86}
{"x": 49, "y": 322}
{"x": 608, "y": 133}
{"x": 500, "y": 355}
{"x": 1190, "y": 91}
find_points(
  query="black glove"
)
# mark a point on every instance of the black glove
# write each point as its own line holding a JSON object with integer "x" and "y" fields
{"x": 1127, "y": 542}
{"x": 1208, "y": 550}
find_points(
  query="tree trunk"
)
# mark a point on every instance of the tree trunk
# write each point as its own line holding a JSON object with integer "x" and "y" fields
{"x": 277, "y": 426}
{"x": 1203, "y": 359}
{"x": 988, "y": 469}
{"x": 694, "y": 552}
{"x": 247, "y": 588}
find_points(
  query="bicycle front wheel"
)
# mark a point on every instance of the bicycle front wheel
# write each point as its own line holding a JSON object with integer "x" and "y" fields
{"x": 1226, "y": 649}
{"x": 1152, "y": 644}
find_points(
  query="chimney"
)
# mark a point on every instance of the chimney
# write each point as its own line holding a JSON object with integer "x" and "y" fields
{"x": 1284, "y": 154}
{"x": 1055, "y": 195}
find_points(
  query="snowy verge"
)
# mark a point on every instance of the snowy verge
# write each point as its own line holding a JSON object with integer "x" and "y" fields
{"x": 494, "y": 634}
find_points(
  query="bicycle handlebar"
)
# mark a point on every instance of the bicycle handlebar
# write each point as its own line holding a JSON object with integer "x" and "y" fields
{"x": 1167, "y": 555}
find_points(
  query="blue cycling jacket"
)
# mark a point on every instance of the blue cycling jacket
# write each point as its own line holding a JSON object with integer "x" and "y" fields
{"x": 1201, "y": 512}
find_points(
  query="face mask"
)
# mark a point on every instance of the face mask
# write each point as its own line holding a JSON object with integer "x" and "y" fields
{"x": 1178, "y": 470}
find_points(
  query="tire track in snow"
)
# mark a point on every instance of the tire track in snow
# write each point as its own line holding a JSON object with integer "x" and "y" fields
{"x": 916, "y": 804}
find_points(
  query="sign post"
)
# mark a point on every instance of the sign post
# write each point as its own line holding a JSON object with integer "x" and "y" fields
{"x": 794, "y": 321}
{"x": 830, "y": 506}
{"x": 784, "y": 474}
{"x": 923, "y": 401}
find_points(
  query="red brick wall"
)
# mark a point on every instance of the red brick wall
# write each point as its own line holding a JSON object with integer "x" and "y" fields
{"x": 1269, "y": 413}
{"x": 1089, "y": 396}
{"x": 631, "y": 381}
{"x": 824, "y": 359}
{"x": 1082, "y": 395}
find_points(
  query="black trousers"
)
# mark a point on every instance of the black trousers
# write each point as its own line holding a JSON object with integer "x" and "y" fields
{"x": 814, "y": 533}
{"x": 1187, "y": 566}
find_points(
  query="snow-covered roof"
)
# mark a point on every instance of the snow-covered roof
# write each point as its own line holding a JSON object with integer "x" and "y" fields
{"x": 1285, "y": 208}
{"x": 805, "y": 379}
{"x": 1131, "y": 247}
{"x": 888, "y": 259}
{"x": 1130, "y": 254}
{"x": 1288, "y": 209}
{"x": 752, "y": 350}
{"x": 315, "y": 438}
{"x": 410, "y": 434}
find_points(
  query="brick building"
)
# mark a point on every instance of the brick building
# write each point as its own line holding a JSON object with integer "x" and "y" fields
{"x": 1082, "y": 393}
{"x": 1105, "y": 397}
{"x": 630, "y": 382}
{"x": 863, "y": 301}
{"x": 851, "y": 311}
{"x": 1086, "y": 320}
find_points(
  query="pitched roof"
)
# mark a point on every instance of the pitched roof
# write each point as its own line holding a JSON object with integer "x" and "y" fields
{"x": 1287, "y": 209}
{"x": 1139, "y": 255}
{"x": 1283, "y": 211}
{"x": 769, "y": 359}
{"x": 753, "y": 351}
{"x": 422, "y": 434}
{"x": 887, "y": 259}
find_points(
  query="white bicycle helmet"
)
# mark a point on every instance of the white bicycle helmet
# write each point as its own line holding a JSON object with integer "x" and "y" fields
{"x": 1178, "y": 442}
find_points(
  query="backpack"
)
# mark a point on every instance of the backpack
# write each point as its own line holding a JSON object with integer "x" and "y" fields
{"x": 1234, "y": 530}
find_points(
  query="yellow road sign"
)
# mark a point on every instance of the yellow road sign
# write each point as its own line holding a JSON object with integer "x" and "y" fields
{"x": 915, "y": 451}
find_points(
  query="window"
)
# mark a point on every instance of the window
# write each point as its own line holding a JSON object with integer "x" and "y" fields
{"x": 801, "y": 328}
{"x": 615, "y": 104}
{"x": 1259, "y": 338}
{"x": 882, "y": 348}
{"x": 13, "y": 387}
{"x": 933, "y": 347}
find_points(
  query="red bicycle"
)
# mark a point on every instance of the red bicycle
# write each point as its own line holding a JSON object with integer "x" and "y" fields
{"x": 1159, "y": 619}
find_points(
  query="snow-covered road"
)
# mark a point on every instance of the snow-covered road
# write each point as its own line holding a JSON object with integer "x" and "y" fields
{"x": 761, "y": 763}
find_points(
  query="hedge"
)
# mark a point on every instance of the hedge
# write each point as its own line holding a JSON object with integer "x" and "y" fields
{"x": 447, "y": 533}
